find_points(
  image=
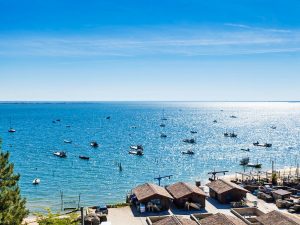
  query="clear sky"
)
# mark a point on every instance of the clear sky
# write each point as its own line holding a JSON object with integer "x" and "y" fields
{"x": 149, "y": 50}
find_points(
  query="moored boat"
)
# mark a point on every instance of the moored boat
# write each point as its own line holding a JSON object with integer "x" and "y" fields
{"x": 257, "y": 165}
{"x": 61, "y": 154}
{"x": 84, "y": 157}
{"x": 137, "y": 147}
{"x": 11, "y": 130}
{"x": 245, "y": 149}
{"x": 137, "y": 152}
{"x": 94, "y": 144}
{"x": 188, "y": 152}
{"x": 36, "y": 181}
{"x": 162, "y": 135}
{"x": 190, "y": 141}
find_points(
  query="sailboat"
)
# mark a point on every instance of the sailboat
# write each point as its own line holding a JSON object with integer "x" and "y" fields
{"x": 163, "y": 117}
{"x": 11, "y": 130}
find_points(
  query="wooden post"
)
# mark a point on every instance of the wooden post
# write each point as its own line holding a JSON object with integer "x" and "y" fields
{"x": 82, "y": 216}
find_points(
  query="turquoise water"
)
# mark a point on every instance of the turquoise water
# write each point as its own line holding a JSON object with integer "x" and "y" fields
{"x": 99, "y": 180}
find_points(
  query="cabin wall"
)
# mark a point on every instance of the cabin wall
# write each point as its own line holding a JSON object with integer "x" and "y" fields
{"x": 165, "y": 202}
{"x": 180, "y": 202}
{"x": 233, "y": 195}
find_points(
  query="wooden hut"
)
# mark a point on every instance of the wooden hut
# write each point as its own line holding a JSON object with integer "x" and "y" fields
{"x": 154, "y": 197}
{"x": 281, "y": 194}
{"x": 184, "y": 194}
{"x": 226, "y": 192}
{"x": 276, "y": 217}
{"x": 221, "y": 219}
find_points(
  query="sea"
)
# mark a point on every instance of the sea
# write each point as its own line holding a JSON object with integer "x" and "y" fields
{"x": 41, "y": 129}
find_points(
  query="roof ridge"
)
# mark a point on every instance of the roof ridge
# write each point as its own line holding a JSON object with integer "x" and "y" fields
{"x": 188, "y": 186}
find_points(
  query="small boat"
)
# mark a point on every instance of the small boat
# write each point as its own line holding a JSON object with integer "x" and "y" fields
{"x": 60, "y": 154}
{"x": 139, "y": 152}
{"x": 273, "y": 127}
{"x": 94, "y": 144}
{"x": 133, "y": 127}
{"x": 11, "y": 130}
{"x": 58, "y": 120}
{"x": 53, "y": 121}
{"x": 193, "y": 132}
{"x": 244, "y": 161}
{"x": 258, "y": 165}
{"x": 226, "y": 134}
{"x": 256, "y": 143}
{"x": 215, "y": 121}
{"x": 108, "y": 117}
{"x": 188, "y": 152}
{"x": 84, "y": 157}
{"x": 67, "y": 141}
{"x": 68, "y": 126}
{"x": 36, "y": 181}
{"x": 266, "y": 145}
{"x": 245, "y": 149}
{"x": 234, "y": 117}
{"x": 162, "y": 135}
{"x": 162, "y": 125}
{"x": 137, "y": 147}
{"x": 233, "y": 135}
{"x": 190, "y": 141}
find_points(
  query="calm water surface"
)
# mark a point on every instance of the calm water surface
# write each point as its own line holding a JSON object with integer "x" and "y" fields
{"x": 99, "y": 179}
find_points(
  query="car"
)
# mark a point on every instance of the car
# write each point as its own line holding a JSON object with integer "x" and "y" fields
{"x": 102, "y": 208}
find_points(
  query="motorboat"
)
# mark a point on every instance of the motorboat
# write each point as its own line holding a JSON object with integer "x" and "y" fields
{"x": 139, "y": 152}
{"x": 266, "y": 145}
{"x": 257, "y": 165}
{"x": 190, "y": 141}
{"x": 162, "y": 125}
{"x": 226, "y": 134}
{"x": 245, "y": 149}
{"x": 11, "y": 130}
{"x": 137, "y": 147}
{"x": 108, "y": 117}
{"x": 244, "y": 161}
{"x": 273, "y": 127}
{"x": 84, "y": 157}
{"x": 36, "y": 181}
{"x": 68, "y": 126}
{"x": 60, "y": 154}
{"x": 94, "y": 144}
{"x": 193, "y": 132}
{"x": 188, "y": 152}
{"x": 67, "y": 141}
{"x": 234, "y": 117}
{"x": 233, "y": 135}
{"x": 215, "y": 121}
{"x": 58, "y": 120}
{"x": 162, "y": 135}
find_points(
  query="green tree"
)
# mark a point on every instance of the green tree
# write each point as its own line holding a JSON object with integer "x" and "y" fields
{"x": 12, "y": 205}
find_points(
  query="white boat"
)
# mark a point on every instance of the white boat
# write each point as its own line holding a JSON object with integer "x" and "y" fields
{"x": 36, "y": 181}
{"x": 11, "y": 130}
{"x": 67, "y": 141}
{"x": 136, "y": 152}
{"x": 94, "y": 144}
{"x": 60, "y": 154}
{"x": 137, "y": 147}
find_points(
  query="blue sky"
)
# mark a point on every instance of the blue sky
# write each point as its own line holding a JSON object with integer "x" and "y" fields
{"x": 149, "y": 50}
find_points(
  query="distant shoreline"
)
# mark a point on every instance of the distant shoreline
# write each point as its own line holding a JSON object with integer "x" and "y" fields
{"x": 137, "y": 101}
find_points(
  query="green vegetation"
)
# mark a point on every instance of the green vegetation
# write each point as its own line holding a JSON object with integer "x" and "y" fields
{"x": 12, "y": 205}
{"x": 56, "y": 219}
